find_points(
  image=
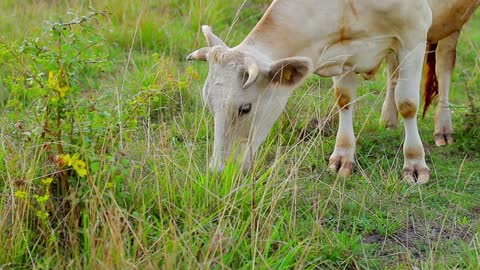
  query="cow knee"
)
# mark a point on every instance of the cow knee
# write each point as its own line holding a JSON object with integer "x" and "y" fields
{"x": 414, "y": 153}
{"x": 407, "y": 108}
{"x": 343, "y": 98}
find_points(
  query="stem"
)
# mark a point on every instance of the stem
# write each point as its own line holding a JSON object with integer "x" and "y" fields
{"x": 83, "y": 19}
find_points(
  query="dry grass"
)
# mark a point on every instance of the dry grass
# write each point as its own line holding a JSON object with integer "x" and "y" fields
{"x": 153, "y": 204}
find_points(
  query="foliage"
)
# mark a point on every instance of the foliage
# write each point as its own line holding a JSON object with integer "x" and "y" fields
{"x": 45, "y": 78}
{"x": 104, "y": 146}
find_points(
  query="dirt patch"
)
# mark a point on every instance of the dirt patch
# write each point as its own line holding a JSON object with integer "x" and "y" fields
{"x": 418, "y": 240}
{"x": 475, "y": 211}
{"x": 326, "y": 126}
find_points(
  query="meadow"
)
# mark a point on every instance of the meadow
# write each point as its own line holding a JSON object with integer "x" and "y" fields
{"x": 105, "y": 143}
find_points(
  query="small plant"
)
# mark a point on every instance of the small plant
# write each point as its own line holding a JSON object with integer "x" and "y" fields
{"x": 344, "y": 250}
{"x": 38, "y": 203}
{"x": 47, "y": 81}
{"x": 472, "y": 117}
{"x": 386, "y": 224}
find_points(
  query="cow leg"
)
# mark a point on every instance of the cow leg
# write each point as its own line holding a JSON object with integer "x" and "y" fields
{"x": 407, "y": 98}
{"x": 342, "y": 159}
{"x": 446, "y": 56}
{"x": 389, "y": 109}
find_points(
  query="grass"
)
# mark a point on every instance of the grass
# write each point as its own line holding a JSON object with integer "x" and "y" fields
{"x": 149, "y": 201}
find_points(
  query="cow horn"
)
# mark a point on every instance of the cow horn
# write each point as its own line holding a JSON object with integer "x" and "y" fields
{"x": 199, "y": 55}
{"x": 253, "y": 71}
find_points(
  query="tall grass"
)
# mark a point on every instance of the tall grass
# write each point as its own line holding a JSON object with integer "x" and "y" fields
{"x": 149, "y": 201}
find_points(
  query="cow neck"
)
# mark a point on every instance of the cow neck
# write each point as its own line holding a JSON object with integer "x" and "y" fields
{"x": 283, "y": 32}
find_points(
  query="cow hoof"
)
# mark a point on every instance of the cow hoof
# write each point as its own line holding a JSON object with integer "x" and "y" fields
{"x": 443, "y": 139}
{"x": 341, "y": 166}
{"x": 416, "y": 176}
{"x": 388, "y": 124}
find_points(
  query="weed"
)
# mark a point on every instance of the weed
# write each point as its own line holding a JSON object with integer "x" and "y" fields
{"x": 105, "y": 141}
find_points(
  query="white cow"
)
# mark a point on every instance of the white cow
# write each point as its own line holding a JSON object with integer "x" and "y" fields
{"x": 248, "y": 86}
{"x": 448, "y": 20}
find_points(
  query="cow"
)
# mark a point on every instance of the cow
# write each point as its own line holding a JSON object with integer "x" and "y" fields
{"x": 448, "y": 20}
{"x": 248, "y": 86}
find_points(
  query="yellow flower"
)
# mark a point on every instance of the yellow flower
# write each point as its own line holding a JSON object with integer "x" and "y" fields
{"x": 182, "y": 85}
{"x": 21, "y": 194}
{"x": 192, "y": 73}
{"x": 47, "y": 181}
{"x": 63, "y": 160}
{"x": 79, "y": 167}
{"x": 110, "y": 185}
{"x": 41, "y": 199}
{"x": 43, "y": 214}
{"x": 59, "y": 82}
{"x": 73, "y": 159}
{"x": 75, "y": 162}
{"x": 52, "y": 80}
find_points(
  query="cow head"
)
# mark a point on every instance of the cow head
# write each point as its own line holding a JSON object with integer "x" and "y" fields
{"x": 246, "y": 93}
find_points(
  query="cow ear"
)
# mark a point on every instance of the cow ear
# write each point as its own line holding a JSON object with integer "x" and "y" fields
{"x": 199, "y": 55}
{"x": 212, "y": 39}
{"x": 290, "y": 71}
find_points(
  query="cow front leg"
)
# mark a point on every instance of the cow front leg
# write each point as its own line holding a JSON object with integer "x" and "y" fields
{"x": 389, "y": 110}
{"x": 342, "y": 160}
{"x": 407, "y": 97}
{"x": 446, "y": 55}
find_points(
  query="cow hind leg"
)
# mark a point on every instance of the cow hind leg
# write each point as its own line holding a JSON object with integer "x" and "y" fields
{"x": 446, "y": 56}
{"x": 389, "y": 110}
{"x": 342, "y": 159}
{"x": 407, "y": 98}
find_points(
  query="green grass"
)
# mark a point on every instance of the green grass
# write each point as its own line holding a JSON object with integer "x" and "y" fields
{"x": 149, "y": 201}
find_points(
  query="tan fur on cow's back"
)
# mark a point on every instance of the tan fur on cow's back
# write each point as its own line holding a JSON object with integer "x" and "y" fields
{"x": 449, "y": 16}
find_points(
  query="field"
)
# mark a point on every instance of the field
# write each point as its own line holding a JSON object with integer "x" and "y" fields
{"x": 105, "y": 143}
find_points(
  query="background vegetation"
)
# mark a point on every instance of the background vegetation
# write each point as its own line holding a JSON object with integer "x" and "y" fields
{"x": 104, "y": 145}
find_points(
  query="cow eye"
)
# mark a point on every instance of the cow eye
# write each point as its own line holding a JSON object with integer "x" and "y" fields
{"x": 244, "y": 109}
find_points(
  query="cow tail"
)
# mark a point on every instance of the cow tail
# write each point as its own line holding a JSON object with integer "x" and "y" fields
{"x": 430, "y": 82}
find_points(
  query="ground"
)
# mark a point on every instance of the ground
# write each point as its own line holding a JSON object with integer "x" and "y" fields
{"x": 104, "y": 146}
